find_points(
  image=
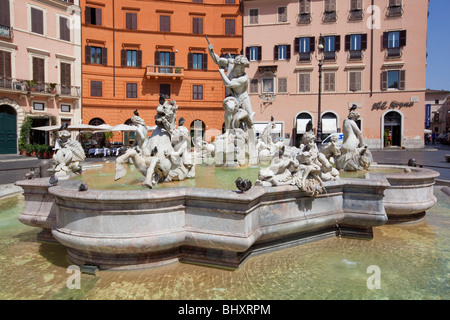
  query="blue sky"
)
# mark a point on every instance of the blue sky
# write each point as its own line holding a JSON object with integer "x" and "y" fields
{"x": 438, "y": 47}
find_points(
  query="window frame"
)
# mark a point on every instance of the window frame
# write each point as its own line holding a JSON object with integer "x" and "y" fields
{"x": 44, "y": 106}
{"x": 98, "y": 88}
{"x": 263, "y": 80}
{"x": 131, "y": 90}
{"x": 228, "y": 28}
{"x": 163, "y": 23}
{"x": 250, "y": 22}
{"x": 285, "y": 14}
{"x": 44, "y": 20}
{"x": 196, "y": 94}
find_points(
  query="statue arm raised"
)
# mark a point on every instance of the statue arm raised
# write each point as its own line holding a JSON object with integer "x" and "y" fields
{"x": 233, "y": 83}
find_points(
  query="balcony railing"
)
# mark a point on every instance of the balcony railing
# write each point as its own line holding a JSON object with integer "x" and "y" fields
{"x": 304, "y": 57}
{"x": 329, "y": 16}
{"x": 355, "y": 15}
{"x": 355, "y": 55}
{"x": 393, "y": 52}
{"x": 394, "y": 11}
{"x": 6, "y": 32}
{"x": 329, "y": 56}
{"x": 165, "y": 71}
{"x": 304, "y": 18}
{"x": 24, "y": 86}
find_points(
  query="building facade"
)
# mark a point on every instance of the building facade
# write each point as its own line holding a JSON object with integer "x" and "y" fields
{"x": 135, "y": 51}
{"x": 373, "y": 55}
{"x": 436, "y": 101}
{"x": 40, "y": 67}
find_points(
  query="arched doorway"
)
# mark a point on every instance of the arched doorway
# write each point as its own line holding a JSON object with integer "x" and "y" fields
{"x": 329, "y": 124}
{"x": 197, "y": 128}
{"x": 8, "y": 130}
{"x": 97, "y": 139}
{"x": 392, "y": 129}
{"x": 128, "y": 136}
{"x": 300, "y": 127}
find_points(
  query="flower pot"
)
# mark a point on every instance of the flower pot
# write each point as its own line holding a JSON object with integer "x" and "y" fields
{"x": 23, "y": 152}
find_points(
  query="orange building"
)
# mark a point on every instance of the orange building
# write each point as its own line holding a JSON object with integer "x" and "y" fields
{"x": 136, "y": 50}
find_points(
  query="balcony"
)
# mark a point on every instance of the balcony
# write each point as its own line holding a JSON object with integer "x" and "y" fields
{"x": 329, "y": 56}
{"x": 304, "y": 57}
{"x": 355, "y": 15}
{"x": 158, "y": 71}
{"x": 304, "y": 18}
{"x": 355, "y": 55}
{"x": 68, "y": 91}
{"x": 394, "y": 11}
{"x": 329, "y": 16}
{"x": 6, "y": 32}
{"x": 41, "y": 88}
{"x": 393, "y": 53}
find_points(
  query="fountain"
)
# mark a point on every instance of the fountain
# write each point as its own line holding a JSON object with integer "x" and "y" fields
{"x": 298, "y": 198}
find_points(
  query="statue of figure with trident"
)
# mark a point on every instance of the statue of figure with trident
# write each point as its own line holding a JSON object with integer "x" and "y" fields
{"x": 237, "y": 105}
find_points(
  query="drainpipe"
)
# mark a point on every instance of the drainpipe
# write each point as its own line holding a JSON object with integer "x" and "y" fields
{"x": 114, "y": 51}
{"x": 371, "y": 51}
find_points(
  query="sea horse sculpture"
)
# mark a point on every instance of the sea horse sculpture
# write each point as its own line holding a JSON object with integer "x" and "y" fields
{"x": 68, "y": 160}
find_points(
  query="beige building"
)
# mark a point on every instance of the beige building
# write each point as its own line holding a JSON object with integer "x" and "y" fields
{"x": 438, "y": 101}
{"x": 373, "y": 56}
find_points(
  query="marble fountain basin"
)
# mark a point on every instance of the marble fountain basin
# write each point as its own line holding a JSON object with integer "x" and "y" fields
{"x": 125, "y": 229}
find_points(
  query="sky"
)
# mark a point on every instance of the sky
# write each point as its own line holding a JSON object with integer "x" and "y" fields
{"x": 438, "y": 46}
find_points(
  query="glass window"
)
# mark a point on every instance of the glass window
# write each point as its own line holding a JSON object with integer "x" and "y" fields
{"x": 230, "y": 26}
{"x": 355, "y": 42}
{"x": 253, "y": 53}
{"x": 164, "y": 23}
{"x": 197, "y": 92}
{"x": 38, "y": 106}
{"x": 197, "y": 61}
{"x": 329, "y": 44}
{"x": 282, "y": 52}
{"x": 394, "y": 39}
{"x": 131, "y": 90}
{"x": 65, "y": 108}
{"x": 393, "y": 79}
{"x": 131, "y": 58}
{"x": 304, "y": 45}
{"x": 96, "y": 55}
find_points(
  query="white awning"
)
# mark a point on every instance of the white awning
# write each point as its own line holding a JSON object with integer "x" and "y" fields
{"x": 329, "y": 125}
{"x": 301, "y": 125}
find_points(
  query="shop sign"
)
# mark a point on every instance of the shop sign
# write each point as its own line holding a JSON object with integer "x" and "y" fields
{"x": 394, "y": 104}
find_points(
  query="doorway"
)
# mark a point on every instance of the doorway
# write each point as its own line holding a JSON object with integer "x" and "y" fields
{"x": 392, "y": 129}
{"x": 8, "y": 130}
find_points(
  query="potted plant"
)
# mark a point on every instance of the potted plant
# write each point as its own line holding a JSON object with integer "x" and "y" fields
{"x": 31, "y": 85}
{"x": 51, "y": 87}
{"x": 29, "y": 149}
{"x": 34, "y": 150}
{"x": 25, "y": 130}
{"x": 46, "y": 151}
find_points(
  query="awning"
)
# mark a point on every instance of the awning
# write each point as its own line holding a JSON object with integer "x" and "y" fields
{"x": 428, "y": 131}
{"x": 259, "y": 127}
{"x": 329, "y": 125}
{"x": 301, "y": 125}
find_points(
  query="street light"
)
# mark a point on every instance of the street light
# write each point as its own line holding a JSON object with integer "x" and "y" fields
{"x": 319, "y": 102}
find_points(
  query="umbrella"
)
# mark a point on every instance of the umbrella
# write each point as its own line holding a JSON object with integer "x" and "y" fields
{"x": 47, "y": 128}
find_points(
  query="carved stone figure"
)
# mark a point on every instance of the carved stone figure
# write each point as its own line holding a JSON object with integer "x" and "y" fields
{"x": 68, "y": 160}
{"x": 141, "y": 132}
{"x": 355, "y": 155}
{"x": 159, "y": 161}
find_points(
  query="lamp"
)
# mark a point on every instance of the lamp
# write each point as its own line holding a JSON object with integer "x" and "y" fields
{"x": 319, "y": 102}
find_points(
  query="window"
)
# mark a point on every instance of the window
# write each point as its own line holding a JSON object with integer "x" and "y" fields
{"x": 305, "y": 12}
{"x": 197, "y": 92}
{"x": 5, "y": 23}
{"x": 38, "y": 106}
{"x": 197, "y": 25}
{"x": 37, "y": 21}
{"x": 5, "y": 65}
{"x": 131, "y": 20}
{"x": 394, "y": 8}
{"x": 230, "y": 26}
{"x": 304, "y": 46}
{"x": 131, "y": 90}
{"x": 197, "y": 61}
{"x": 131, "y": 58}
{"x": 356, "y": 43}
{"x": 97, "y": 55}
{"x": 355, "y": 80}
{"x": 164, "y": 23}
{"x": 329, "y": 81}
{"x": 164, "y": 90}
{"x": 96, "y": 88}
{"x": 282, "y": 52}
{"x": 65, "y": 108}
{"x": 393, "y": 41}
{"x": 93, "y": 16}
{"x": 267, "y": 85}
{"x": 39, "y": 72}
{"x": 329, "y": 14}
{"x": 64, "y": 31}
{"x": 331, "y": 45}
{"x": 254, "y": 85}
{"x": 254, "y": 15}
{"x": 304, "y": 82}
{"x": 393, "y": 79}
{"x": 65, "y": 78}
{"x": 282, "y": 14}
{"x": 197, "y": 1}
{"x": 282, "y": 85}
{"x": 253, "y": 53}
{"x": 230, "y": 1}
{"x": 356, "y": 10}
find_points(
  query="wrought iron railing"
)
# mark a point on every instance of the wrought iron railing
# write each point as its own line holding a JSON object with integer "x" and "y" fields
{"x": 329, "y": 56}
{"x": 329, "y": 16}
{"x": 20, "y": 85}
{"x": 304, "y": 18}
{"x": 355, "y": 55}
{"x": 394, "y": 11}
{"x": 6, "y": 32}
{"x": 393, "y": 52}
{"x": 304, "y": 57}
{"x": 355, "y": 15}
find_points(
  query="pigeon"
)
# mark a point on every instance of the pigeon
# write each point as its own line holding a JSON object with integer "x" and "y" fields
{"x": 161, "y": 99}
{"x": 136, "y": 113}
{"x": 64, "y": 126}
{"x": 272, "y": 118}
{"x": 53, "y": 180}
{"x": 181, "y": 122}
{"x": 353, "y": 108}
{"x": 309, "y": 126}
{"x": 281, "y": 151}
{"x": 30, "y": 174}
{"x": 243, "y": 185}
{"x": 83, "y": 187}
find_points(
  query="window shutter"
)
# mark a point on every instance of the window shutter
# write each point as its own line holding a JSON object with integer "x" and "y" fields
{"x": 301, "y": 87}
{"x": 364, "y": 41}
{"x": 337, "y": 43}
{"x": 2, "y": 63}
{"x": 275, "y": 53}
{"x": 305, "y": 6}
{"x": 128, "y": 22}
{"x": 347, "y": 42}
{"x": 384, "y": 80}
{"x": 157, "y": 58}
{"x": 87, "y": 15}
{"x": 352, "y": 81}
{"x": 139, "y": 58}
{"x": 4, "y": 13}
{"x": 172, "y": 58}
{"x": 247, "y": 53}
{"x": 332, "y": 81}
{"x": 288, "y": 51}
{"x": 7, "y": 64}
{"x": 402, "y": 80}
{"x": 87, "y": 54}
{"x": 307, "y": 80}
{"x": 123, "y": 58}
{"x": 98, "y": 17}
{"x": 296, "y": 45}
{"x": 65, "y": 74}
{"x": 312, "y": 44}
{"x": 402, "y": 38}
{"x": 190, "y": 61}
{"x": 326, "y": 82}
{"x": 205, "y": 61}
{"x": 327, "y": 5}
{"x": 332, "y": 5}
{"x": 385, "y": 40}
{"x": 259, "y": 53}
{"x": 105, "y": 56}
